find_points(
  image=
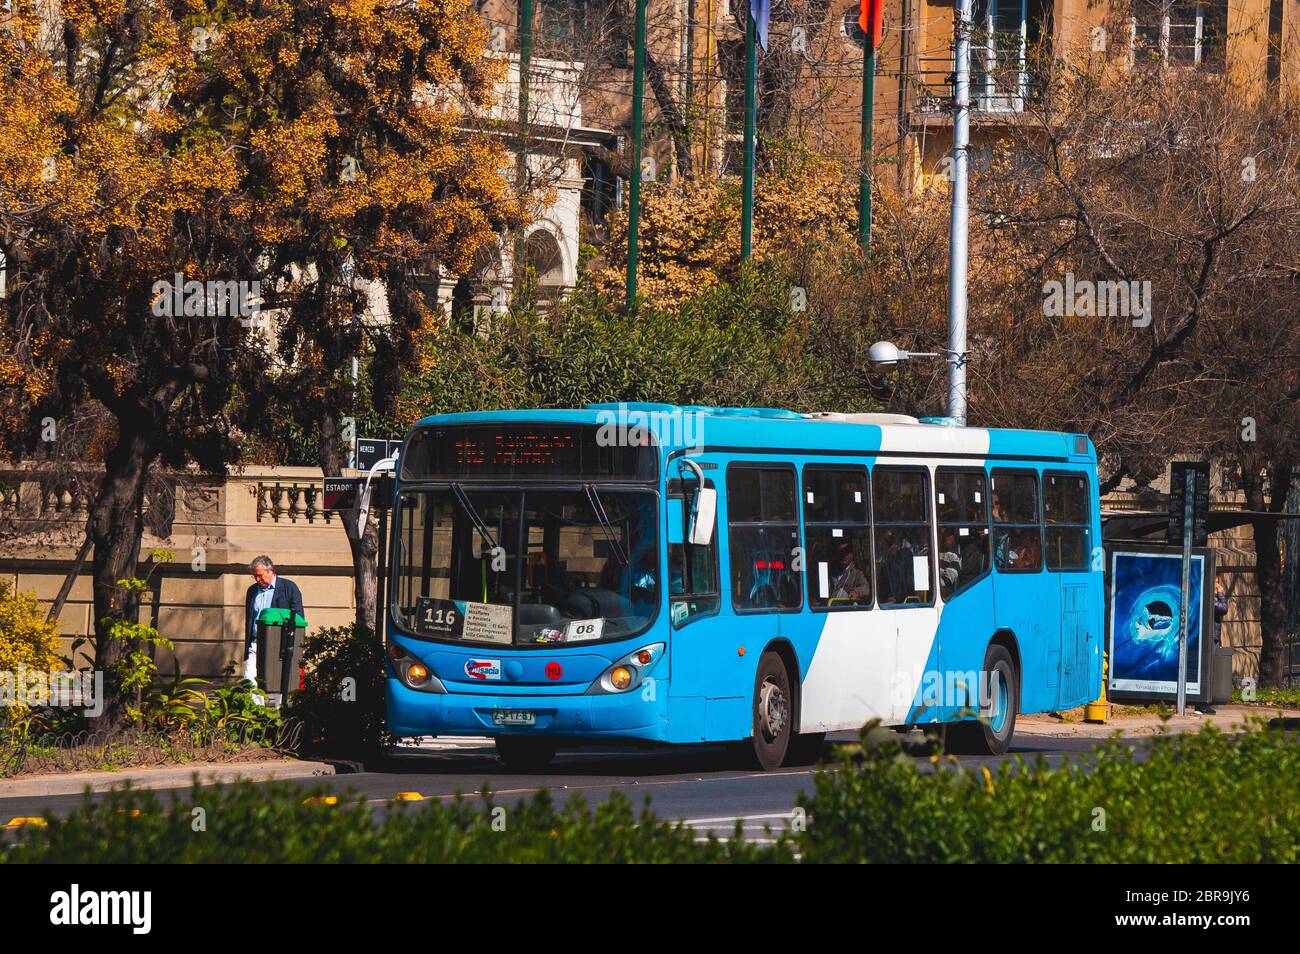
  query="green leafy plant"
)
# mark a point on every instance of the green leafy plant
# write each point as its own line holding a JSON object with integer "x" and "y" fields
{"x": 1182, "y": 798}
{"x": 132, "y": 827}
{"x": 344, "y": 706}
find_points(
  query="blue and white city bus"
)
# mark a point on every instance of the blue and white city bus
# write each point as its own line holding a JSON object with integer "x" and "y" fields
{"x": 655, "y": 573}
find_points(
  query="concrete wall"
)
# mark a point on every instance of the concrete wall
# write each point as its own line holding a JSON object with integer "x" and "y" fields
{"x": 196, "y": 598}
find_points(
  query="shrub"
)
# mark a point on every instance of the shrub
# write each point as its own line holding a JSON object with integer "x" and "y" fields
{"x": 275, "y": 823}
{"x": 343, "y": 707}
{"x": 1186, "y": 799}
{"x": 27, "y": 639}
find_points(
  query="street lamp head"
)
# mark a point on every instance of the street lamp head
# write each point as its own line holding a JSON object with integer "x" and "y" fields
{"x": 886, "y": 354}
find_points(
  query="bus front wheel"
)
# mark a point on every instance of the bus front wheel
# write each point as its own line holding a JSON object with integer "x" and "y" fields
{"x": 991, "y": 734}
{"x": 773, "y": 713}
{"x": 524, "y": 754}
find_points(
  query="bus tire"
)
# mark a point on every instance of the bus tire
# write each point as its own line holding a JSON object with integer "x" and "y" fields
{"x": 773, "y": 720}
{"x": 522, "y": 754}
{"x": 991, "y": 734}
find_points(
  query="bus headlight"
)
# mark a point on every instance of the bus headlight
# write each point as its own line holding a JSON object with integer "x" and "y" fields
{"x": 628, "y": 672}
{"x": 412, "y": 672}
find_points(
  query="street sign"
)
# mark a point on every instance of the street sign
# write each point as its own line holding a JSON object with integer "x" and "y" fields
{"x": 341, "y": 493}
{"x": 1200, "y": 501}
{"x": 344, "y": 493}
{"x": 1189, "y": 512}
{"x": 371, "y": 450}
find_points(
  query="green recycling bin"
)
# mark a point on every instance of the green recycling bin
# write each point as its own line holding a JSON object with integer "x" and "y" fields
{"x": 280, "y": 633}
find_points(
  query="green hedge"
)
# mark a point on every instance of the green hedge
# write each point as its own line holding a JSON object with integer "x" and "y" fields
{"x": 1193, "y": 798}
{"x": 1181, "y": 798}
{"x": 273, "y": 823}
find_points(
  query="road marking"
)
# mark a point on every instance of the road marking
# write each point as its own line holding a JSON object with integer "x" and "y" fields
{"x": 20, "y": 822}
{"x": 732, "y": 819}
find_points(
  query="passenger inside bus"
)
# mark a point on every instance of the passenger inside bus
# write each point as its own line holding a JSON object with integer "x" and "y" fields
{"x": 850, "y": 584}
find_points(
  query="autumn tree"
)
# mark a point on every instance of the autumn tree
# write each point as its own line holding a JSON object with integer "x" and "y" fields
{"x": 105, "y": 190}
{"x": 303, "y": 152}
{"x": 363, "y": 183}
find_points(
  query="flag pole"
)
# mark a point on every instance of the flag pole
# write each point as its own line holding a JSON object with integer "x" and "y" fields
{"x": 517, "y": 276}
{"x": 868, "y": 114}
{"x": 751, "y": 81}
{"x": 634, "y": 181}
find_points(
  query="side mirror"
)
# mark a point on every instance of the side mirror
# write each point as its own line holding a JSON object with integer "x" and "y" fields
{"x": 704, "y": 513}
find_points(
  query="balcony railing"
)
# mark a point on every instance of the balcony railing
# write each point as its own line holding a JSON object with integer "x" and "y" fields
{"x": 1000, "y": 80}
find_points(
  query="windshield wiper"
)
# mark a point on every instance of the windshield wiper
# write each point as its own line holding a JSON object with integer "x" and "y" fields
{"x": 467, "y": 505}
{"x": 594, "y": 499}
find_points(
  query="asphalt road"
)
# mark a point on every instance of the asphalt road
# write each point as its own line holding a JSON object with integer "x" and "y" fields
{"x": 700, "y": 785}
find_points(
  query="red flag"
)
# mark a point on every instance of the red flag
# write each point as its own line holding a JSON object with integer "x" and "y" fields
{"x": 871, "y": 19}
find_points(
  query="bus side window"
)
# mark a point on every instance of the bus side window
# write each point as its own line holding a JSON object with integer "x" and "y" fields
{"x": 962, "y": 503}
{"x": 1065, "y": 513}
{"x": 763, "y": 530}
{"x": 901, "y": 511}
{"x": 692, "y": 570}
{"x": 837, "y": 536}
{"x": 1017, "y": 535}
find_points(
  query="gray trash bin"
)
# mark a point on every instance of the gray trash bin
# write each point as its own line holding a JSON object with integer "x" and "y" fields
{"x": 1221, "y": 675}
{"x": 273, "y": 625}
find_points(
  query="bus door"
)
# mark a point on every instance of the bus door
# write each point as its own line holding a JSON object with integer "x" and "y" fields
{"x": 716, "y": 640}
{"x": 1027, "y": 596}
{"x": 1068, "y": 555}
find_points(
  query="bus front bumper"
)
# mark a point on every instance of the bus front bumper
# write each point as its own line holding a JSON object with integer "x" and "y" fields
{"x": 626, "y": 716}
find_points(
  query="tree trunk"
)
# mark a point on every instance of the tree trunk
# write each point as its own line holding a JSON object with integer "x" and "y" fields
{"x": 365, "y": 547}
{"x": 115, "y": 526}
{"x": 1268, "y": 569}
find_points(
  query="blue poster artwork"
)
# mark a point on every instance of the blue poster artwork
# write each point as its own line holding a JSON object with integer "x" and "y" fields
{"x": 1146, "y": 593}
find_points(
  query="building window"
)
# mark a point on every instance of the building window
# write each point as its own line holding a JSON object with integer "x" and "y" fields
{"x": 999, "y": 80}
{"x": 851, "y": 29}
{"x": 1180, "y": 32}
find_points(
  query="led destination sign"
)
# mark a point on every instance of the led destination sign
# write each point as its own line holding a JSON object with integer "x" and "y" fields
{"x": 511, "y": 450}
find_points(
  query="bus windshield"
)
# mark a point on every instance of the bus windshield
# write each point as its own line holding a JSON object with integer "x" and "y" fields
{"x": 526, "y": 567}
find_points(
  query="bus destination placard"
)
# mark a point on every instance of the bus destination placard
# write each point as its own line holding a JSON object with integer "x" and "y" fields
{"x": 460, "y": 619}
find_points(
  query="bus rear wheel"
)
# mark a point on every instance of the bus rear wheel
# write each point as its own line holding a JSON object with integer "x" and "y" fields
{"x": 523, "y": 754}
{"x": 773, "y": 713}
{"x": 991, "y": 734}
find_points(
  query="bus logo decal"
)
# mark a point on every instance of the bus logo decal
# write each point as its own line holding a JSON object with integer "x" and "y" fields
{"x": 484, "y": 669}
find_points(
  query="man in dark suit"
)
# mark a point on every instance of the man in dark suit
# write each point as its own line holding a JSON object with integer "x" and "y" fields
{"x": 268, "y": 591}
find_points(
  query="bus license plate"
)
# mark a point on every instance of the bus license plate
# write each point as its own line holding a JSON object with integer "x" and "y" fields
{"x": 513, "y": 717}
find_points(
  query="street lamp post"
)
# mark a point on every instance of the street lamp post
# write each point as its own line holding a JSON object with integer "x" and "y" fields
{"x": 886, "y": 354}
